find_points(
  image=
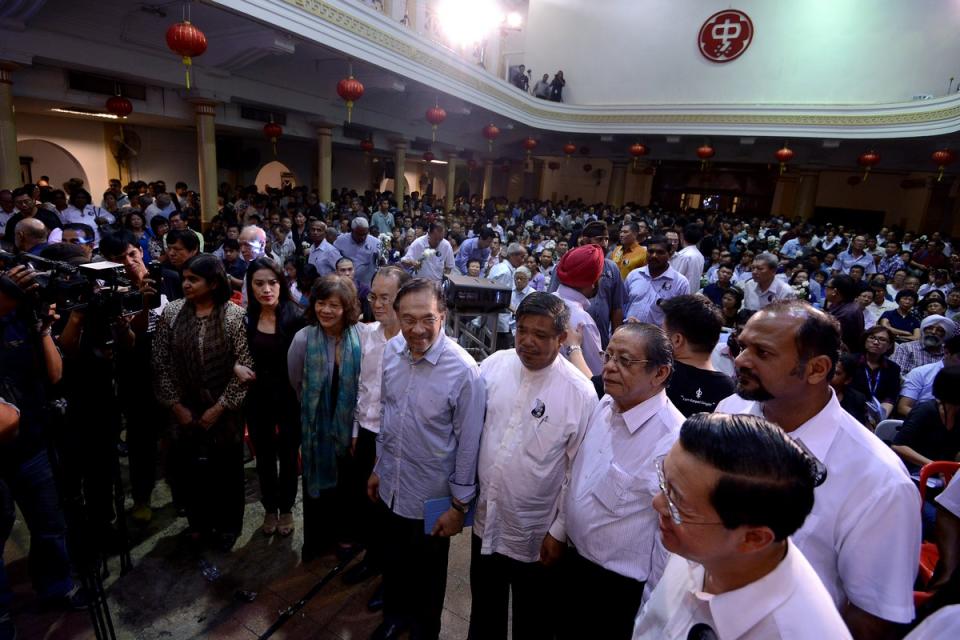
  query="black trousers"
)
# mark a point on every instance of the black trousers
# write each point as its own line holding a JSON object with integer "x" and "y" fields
{"x": 368, "y": 520}
{"x": 414, "y": 574}
{"x": 213, "y": 476}
{"x": 492, "y": 577}
{"x": 329, "y": 517}
{"x": 144, "y": 424}
{"x": 274, "y": 426}
{"x": 599, "y": 603}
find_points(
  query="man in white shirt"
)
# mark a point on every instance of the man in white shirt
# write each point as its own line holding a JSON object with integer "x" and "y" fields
{"x": 538, "y": 405}
{"x": 162, "y": 206}
{"x": 430, "y": 255}
{"x": 863, "y": 535}
{"x": 373, "y": 341}
{"x": 610, "y": 519}
{"x": 689, "y": 261}
{"x": 579, "y": 274}
{"x": 731, "y": 490}
{"x": 765, "y": 287}
{"x": 656, "y": 281}
{"x": 502, "y": 273}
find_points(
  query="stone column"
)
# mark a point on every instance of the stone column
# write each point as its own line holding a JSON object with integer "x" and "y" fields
{"x": 542, "y": 187}
{"x": 324, "y": 162}
{"x": 487, "y": 179}
{"x": 807, "y": 194}
{"x": 205, "y": 112}
{"x": 399, "y": 161}
{"x": 618, "y": 184}
{"x": 9, "y": 159}
{"x": 451, "y": 181}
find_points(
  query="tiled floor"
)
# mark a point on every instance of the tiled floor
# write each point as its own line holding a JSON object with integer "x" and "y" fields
{"x": 165, "y": 596}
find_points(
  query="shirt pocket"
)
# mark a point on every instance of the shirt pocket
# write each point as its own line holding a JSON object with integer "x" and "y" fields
{"x": 620, "y": 492}
{"x": 546, "y": 443}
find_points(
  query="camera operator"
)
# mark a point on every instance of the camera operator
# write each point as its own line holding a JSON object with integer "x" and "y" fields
{"x": 29, "y": 364}
{"x": 30, "y": 236}
{"x": 144, "y": 417}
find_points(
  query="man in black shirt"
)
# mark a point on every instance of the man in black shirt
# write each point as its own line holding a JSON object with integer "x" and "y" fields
{"x": 27, "y": 208}
{"x": 693, "y": 324}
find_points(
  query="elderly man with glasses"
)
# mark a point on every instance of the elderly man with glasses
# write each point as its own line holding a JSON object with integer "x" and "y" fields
{"x": 610, "y": 520}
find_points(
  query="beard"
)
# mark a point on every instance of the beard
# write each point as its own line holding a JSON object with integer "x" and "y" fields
{"x": 932, "y": 342}
{"x": 759, "y": 393}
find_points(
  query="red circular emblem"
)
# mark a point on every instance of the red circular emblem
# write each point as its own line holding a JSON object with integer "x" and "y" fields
{"x": 725, "y": 36}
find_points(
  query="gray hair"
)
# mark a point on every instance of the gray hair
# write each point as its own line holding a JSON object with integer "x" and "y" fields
{"x": 658, "y": 350}
{"x": 768, "y": 258}
{"x": 514, "y": 248}
{"x": 359, "y": 223}
{"x": 523, "y": 271}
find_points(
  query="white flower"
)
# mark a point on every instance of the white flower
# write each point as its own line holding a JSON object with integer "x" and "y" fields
{"x": 429, "y": 253}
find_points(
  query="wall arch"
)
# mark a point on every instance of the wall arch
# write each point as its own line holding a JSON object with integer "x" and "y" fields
{"x": 49, "y": 159}
{"x": 275, "y": 174}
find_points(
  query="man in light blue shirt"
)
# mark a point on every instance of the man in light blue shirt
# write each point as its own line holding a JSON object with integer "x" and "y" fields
{"x": 918, "y": 383}
{"x": 475, "y": 248}
{"x": 362, "y": 248}
{"x": 433, "y": 408}
{"x": 383, "y": 218}
{"x": 856, "y": 255}
{"x": 649, "y": 285}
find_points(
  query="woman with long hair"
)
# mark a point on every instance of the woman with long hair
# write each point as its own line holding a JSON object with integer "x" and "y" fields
{"x": 136, "y": 223}
{"x": 199, "y": 339}
{"x": 271, "y": 408}
{"x": 323, "y": 364}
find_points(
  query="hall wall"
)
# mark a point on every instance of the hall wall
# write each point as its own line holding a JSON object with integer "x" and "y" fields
{"x": 881, "y": 192}
{"x": 804, "y": 51}
{"x": 83, "y": 139}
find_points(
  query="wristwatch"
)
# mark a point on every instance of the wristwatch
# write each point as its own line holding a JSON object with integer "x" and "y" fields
{"x": 575, "y": 347}
{"x": 459, "y": 506}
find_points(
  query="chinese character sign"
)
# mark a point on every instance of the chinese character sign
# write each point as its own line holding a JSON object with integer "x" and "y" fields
{"x": 725, "y": 36}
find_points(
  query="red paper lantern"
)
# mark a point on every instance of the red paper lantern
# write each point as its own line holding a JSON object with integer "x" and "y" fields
{"x": 435, "y": 116}
{"x": 428, "y": 156}
{"x": 868, "y": 160}
{"x": 350, "y": 90}
{"x": 490, "y": 132}
{"x": 783, "y": 156}
{"x": 366, "y": 146}
{"x": 553, "y": 166}
{"x": 942, "y": 157}
{"x": 637, "y": 150}
{"x": 188, "y": 42}
{"x": 569, "y": 149}
{"x": 529, "y": 144}
{"x": 705, "y": 152}
{"x": 273, "y": 131}
{"x": 119, "y": 106}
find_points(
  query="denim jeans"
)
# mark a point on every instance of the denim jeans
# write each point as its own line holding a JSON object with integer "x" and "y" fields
{"x": 31, "y": 485}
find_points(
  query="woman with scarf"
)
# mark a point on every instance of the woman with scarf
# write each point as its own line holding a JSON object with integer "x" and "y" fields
{"x": 324, "y": 368}
{"x": 199, "y": 339}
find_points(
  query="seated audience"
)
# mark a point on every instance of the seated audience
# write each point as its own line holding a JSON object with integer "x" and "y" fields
{"x": 930, "y": 431}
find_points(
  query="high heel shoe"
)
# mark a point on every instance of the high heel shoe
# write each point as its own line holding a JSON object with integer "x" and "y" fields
{"x": 285, "y": 525}
{"x": 269, "y": 524}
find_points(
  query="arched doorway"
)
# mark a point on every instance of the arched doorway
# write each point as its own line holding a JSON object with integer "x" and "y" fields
{"x": 43, "y": 158}
{"x": 276, "y": 175}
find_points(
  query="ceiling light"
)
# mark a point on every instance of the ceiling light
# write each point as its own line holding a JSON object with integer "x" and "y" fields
{"x": 91, "y": 114}
{"x": 438, "y": 162}
{"x": 514, "y": 20}
{"x": 465, "y": 23}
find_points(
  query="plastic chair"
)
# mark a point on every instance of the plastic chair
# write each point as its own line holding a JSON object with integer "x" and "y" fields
{"x": 887, "y": 430}
{"x": 928, "y": 550}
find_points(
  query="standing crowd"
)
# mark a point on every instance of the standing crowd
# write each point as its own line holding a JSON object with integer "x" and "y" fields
{"x": 685, "y": 433}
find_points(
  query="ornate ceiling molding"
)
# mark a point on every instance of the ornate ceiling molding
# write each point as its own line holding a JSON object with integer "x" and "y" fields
{"x": 351, "y": 28}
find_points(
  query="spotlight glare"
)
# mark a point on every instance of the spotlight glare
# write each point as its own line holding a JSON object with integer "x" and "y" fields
{"x": 514, "y": 20}
{"x": 465, "y": 23}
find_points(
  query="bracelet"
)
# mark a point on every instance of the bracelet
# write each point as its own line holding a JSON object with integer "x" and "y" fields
{"x": 46, "y": 332}
{"x": 575, "y": 347}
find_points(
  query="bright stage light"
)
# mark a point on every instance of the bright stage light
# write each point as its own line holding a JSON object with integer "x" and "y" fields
{"x": 514, "y": 20}
{"x": 467, "y": 22}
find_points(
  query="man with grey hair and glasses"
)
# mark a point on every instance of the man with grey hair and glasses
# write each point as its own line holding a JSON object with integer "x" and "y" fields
{"x": 362, "y": 248}
{"x": 765, "y": 287}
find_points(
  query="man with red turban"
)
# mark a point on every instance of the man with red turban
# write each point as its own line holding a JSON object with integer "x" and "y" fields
{"x": 579, "y": 274}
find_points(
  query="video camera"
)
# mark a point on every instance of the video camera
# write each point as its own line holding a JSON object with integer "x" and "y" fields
{"x": 102, "y": 287}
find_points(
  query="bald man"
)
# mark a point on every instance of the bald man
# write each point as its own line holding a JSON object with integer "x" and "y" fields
{"x": 30, "y": 236}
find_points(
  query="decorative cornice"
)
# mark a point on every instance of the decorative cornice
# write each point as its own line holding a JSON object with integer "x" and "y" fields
{"x": 357, "y": 32}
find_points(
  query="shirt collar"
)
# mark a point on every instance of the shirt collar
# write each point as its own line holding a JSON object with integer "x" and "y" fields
{"x": 572, "y": 295}
{"x": 818, "y": 432}
{"x": 669, "y": 274}
{"x": 433, "y": 353}
{"x": 639, "y": 415}
{"x": 735, "y": 612}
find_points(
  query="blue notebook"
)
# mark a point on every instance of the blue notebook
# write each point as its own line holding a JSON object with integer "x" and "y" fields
{"x": 433, "y": 509}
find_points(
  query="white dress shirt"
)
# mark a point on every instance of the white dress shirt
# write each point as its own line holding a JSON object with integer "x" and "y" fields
{"x": 502, "y": 274}
{"x": 689, "y": 263}
{"x": 863, "y": 535}
{"x": 432, "y": 267}
{"x": 609, "y": 507}
{"x": 578, "y": 304}
{"x": 789, "y": 602}
{"x": 372, "y": 343}
{"x": 534, "y": 425}
{"x": 949, "y": 498}
{"x": 88, "y": 217}
{"x": 942, "y": 624}
{"x": 755, "y": 298}
{"x": 644, "y": 293}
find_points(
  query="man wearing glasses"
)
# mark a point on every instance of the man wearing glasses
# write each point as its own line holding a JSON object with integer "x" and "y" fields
{"x": 731, "y": 490}
{"x": 610, "y": 520}
{"x": 27, "y": 208}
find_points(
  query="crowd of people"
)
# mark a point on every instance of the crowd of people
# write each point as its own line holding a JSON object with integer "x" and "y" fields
{"x": 674, "y": 437}
{"x": 544, "y": 88}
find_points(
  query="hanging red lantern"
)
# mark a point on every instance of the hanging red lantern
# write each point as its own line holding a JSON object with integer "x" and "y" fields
{"x": 490, "y": 132}
{"x": 435, "y": 116}
{"x": 366, "y": 146}
{"x": 428, "y": 156}
{"x": 553, "y": 166}
{"x": 188, "y": 42}
{"x": 942, "y": 157}
{"x": 705, "y": 152}
{"x": 119, "y": 106}
{"x": 350, "y": 90}
{"x": 529, "y": 144}
{"x": 569, "y": 149}
{"x": 638, "y": 150}
{"x": 273, "y": 131}
{"x": 868, "y": 160}
{"x": 783, "y": 156}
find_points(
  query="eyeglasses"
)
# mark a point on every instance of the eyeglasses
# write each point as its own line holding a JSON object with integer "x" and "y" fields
{"x": 385, "y": 300}
{"x": 622, "y": 362}
{"x": 879, "y": 339}
{"x": 409, "y": 323}
{"x": 671, "y": 507}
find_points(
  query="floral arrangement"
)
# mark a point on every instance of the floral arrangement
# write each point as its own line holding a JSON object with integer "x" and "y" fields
{"x": 801, "y": 290}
